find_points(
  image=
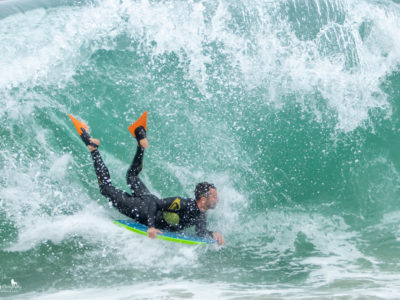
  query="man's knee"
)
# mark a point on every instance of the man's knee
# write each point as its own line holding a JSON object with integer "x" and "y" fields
{"x": 106, "y": 190}
{"x": 128, "y": 176}
{"x": 134, "y": 171}
{"x": 132, "y": 180}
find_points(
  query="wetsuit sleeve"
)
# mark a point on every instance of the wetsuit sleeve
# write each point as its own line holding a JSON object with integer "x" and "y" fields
{"x": 151, "y": 216}
{"x": 201, "y": 227}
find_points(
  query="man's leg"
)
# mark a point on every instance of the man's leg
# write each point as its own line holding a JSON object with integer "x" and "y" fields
{"x": 132, "y": 176}
{"x": 121, "y": 200}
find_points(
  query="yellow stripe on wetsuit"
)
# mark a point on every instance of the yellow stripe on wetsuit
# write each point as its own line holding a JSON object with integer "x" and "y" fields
{"x": 170, "y": 217}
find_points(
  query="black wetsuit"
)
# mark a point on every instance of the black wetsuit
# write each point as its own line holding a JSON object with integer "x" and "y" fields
{"x": 173, "y": 214}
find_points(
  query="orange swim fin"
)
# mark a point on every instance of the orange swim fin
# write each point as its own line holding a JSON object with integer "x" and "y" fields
{"x": 83, "y": 131}
{"x": 78, "y": 125}
{"x": 142, "y": 121}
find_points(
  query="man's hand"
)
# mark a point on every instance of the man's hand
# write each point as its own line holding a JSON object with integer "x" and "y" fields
{"x": 152, "y": 232}
{"x": 218, "y": 238}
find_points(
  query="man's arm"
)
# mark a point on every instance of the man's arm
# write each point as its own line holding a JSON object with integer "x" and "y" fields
{"x": 201, "y": 230}
{"x": 218, "y": 238}
{"x": 152, "y": 231}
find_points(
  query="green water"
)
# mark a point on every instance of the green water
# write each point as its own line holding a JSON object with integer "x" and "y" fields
{"x": 291, "y": 108}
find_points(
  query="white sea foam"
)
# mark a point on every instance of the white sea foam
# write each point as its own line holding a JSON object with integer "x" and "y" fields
{"x": 269, "y": 55}
{"x": 273, "y": 57}
{"x": 181, "y": 289}
{"x": 335, "y": 249}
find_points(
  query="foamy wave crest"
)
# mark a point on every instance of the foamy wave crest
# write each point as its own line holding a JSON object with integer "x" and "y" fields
{"x": 259, "y": 45}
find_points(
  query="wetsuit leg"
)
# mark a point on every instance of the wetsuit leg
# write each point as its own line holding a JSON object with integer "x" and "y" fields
{"x": 132, "y": 176}
{"x": 130, "y": 206}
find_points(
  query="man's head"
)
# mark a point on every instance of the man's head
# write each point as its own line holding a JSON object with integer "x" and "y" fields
{"x": 206, "y": 195}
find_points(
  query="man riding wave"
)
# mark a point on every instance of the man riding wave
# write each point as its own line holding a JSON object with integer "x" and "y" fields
{"x": 173, "y": 213}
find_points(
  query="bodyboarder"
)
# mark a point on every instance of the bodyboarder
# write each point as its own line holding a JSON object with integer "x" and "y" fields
{"x": 173, "y": 213}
